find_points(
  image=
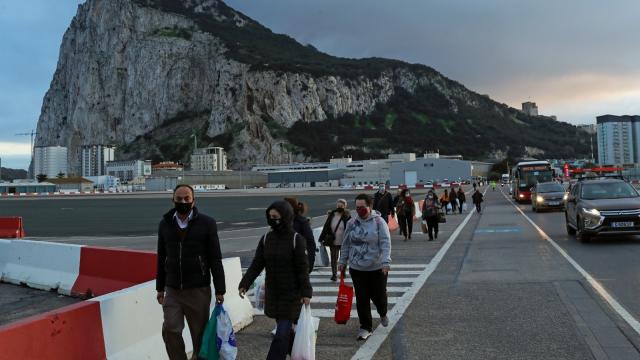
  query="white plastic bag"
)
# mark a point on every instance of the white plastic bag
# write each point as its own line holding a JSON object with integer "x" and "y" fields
{"x": 304, "y": 343}
{"x": 259, "y": 292}
{"x": 448, "y": 207}
{"x": 464, "y": 206}
{"x": 228, "y": 349}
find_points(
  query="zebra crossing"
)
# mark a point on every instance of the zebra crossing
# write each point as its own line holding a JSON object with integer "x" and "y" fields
{"x": 325, "y": 292}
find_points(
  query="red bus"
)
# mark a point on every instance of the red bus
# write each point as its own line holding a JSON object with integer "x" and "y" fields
{"x": 526, "y": 174}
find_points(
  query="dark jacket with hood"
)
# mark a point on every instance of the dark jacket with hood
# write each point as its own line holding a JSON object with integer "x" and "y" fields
{"x": 302, "y": 226}
{"x": 287, "y": 277}
{"x": 189, "y": 258}
{"x": 383, "y": 203}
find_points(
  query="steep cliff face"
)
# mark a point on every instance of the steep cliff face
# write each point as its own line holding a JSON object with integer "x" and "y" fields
{"x": 149, "y": 75}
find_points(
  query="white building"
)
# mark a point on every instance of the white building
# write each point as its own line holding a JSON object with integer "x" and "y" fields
{"x": 105, "y": 182}
{"x": 618, "y": 139}
{"x": 530, "y": 108}
{"x": 209, "y": 159}
{"x": 50, "y": 161}
{"x": 94, "y": 159}
{"x": 128, "y": 170}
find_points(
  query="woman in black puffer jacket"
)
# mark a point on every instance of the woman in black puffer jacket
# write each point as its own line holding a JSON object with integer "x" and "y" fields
{"x": 282, "y": 252}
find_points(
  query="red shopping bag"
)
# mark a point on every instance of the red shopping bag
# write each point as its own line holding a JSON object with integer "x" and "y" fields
{"x": 343, "y": 304}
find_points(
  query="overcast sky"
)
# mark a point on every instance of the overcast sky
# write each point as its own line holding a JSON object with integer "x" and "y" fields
{"x": 576, "y": 59}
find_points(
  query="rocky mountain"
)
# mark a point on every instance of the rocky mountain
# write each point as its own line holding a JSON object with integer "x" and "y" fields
{"x": 152, "y": 76}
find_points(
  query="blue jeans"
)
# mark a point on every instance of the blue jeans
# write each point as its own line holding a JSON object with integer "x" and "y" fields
{"x": 282, "y": 341}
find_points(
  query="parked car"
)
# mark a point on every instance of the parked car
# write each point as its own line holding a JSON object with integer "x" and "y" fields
{"x": 547, "y": 195}
{"x": 602, "y": 207}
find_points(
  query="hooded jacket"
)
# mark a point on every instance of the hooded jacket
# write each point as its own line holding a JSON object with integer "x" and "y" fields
{"x": 283, "y": 253}
{"x": 186, "y": 258}
{"x": 367, "y": 243}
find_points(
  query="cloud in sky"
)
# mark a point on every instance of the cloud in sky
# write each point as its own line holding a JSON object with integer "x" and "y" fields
{"x": 576, "y": 58}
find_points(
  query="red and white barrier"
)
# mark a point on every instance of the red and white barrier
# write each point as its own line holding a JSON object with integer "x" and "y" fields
{"x": 124, "y": 323}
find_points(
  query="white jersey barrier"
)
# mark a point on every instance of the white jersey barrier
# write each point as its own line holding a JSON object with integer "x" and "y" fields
{"x": 41, "y": 265}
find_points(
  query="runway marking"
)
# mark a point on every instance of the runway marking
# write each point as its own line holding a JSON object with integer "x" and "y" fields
{"x": 371, "y": 346}
{"x": 496, "y": 230}
{"x": 595, "y": 284}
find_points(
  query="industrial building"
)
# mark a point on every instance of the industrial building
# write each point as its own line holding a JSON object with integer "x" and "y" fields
{"x": 305, "y": 178}
{"x": 427, "y": 169}
{"x": 128, "y": 170}
{"x": 27, "y": 187}
{"x": 209, "y": 159}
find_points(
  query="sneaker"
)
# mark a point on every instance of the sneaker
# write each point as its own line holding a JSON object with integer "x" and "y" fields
{"x": 363, "y": 334}
{"x": 384, "y": 321}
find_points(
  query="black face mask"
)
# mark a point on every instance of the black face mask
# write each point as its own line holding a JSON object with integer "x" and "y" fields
{"x": 183, "y": 208}
{"x": 276, "y": 224}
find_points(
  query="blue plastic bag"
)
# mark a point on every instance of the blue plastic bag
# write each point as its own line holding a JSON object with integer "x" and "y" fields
{"x": 218, "y": 340}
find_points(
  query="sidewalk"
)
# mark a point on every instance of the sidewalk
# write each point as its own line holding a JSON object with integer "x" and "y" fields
{"x": 503, "y": 293}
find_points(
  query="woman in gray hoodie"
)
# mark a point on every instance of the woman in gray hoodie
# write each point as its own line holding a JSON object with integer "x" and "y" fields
{"x": 366, "y": 249}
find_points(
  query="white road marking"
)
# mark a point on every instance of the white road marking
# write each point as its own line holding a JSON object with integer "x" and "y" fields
{"x": 597, "y": 286}
{"x": 369, "y": 349}
{"x": 324, "y": 313}
{"x": 391, "y": 273}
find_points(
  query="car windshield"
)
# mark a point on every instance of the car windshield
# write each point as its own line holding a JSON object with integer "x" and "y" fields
{"x": 548, "y": 188}
{"x": 613, "y": 190}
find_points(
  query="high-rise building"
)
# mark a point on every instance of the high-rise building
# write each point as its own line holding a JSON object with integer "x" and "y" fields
{"x": 618, "y": 139}
{"x": 530, "y": 108}
{"x": 588, "y": 128}
{"x": 94, "y": 159}
{"x": 50, "y": 161}
{"x": 209, "y": 159}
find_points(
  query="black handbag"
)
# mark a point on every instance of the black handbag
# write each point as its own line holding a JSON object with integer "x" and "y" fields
{"x": 330, "y": 237}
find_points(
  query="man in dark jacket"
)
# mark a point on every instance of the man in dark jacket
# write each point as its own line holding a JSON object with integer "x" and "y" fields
{"x": 302, "y": 226}
{"x": 383, "y": 203}
{"x": 477, "y": 200}
{"x": 188, "y": 256}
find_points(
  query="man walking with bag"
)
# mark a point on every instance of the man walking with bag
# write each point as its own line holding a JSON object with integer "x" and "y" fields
{"x": 188, "y": 256}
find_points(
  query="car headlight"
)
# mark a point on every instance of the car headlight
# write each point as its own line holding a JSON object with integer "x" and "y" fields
{"x": 593, "y": 212}
{"x": 521, "y": 195}
{"x": 565, "y": 197}
{"x": 539, "y": 199}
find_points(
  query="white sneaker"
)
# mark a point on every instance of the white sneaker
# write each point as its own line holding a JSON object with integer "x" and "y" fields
{"x": 384, "y": 321}
{"x": 273, "y": 332}
{"x": 363, "y": 334}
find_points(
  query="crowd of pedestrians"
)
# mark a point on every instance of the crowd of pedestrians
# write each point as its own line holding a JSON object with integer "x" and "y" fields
{"x": 189, "y": 256}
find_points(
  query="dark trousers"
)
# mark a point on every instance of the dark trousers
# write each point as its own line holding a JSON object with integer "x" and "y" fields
{"x": 400, "y": 219}
{"x": 478, "y": 207}
{"x": 335, "y": 252}
{"x": 282, "y": 342}
{"x": 461, "y": 206}
{"x": 178, "y": 304}
{"x": 369, "y": 286}
{"x": 432, "y": 226}
{"x": 453, "y": 207}
{"x": 406, "y": 225}
{"x": 444, "y": 206}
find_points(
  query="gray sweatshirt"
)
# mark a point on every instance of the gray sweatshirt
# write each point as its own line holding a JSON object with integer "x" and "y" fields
{"x": 367, "y": 243}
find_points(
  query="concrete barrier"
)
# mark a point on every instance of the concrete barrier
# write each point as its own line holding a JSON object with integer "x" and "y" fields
{"x": 11, "y": 227}
{"x": 104, "y": 270}
{"x": 70, "y": 333}
{"x": 240, "y": 310}
{"x": 4, "y": 254}
{"x": 42, "y": 265}
{"x": 132, "y": 323}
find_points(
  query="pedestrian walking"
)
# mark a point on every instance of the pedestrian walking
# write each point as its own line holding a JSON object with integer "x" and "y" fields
{"x": 453, "y": 200}
{"x": 462, "y": 199}
{"x": 188, "y": 257}
{"x": 282, "y": 253}
{"x": 302, "y": 226}
{"x": 444, "y": 200}
{"x": 399, "y": 216}
{"x": 405, "y": 211}
{"x": 366, "y": 249}
{"x": 333, "y": 233}
{"x": 383, "y": 203}
{"x": 477, "y": 200}
{"x": 430, "y": 214}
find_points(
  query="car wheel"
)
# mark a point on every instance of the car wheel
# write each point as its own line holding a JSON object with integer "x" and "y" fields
{"x": 580, "y": 235}
{"x": 570, "y": 230}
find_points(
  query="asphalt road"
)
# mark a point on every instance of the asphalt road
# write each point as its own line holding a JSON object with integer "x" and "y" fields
{"x": 498, "y": 289}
